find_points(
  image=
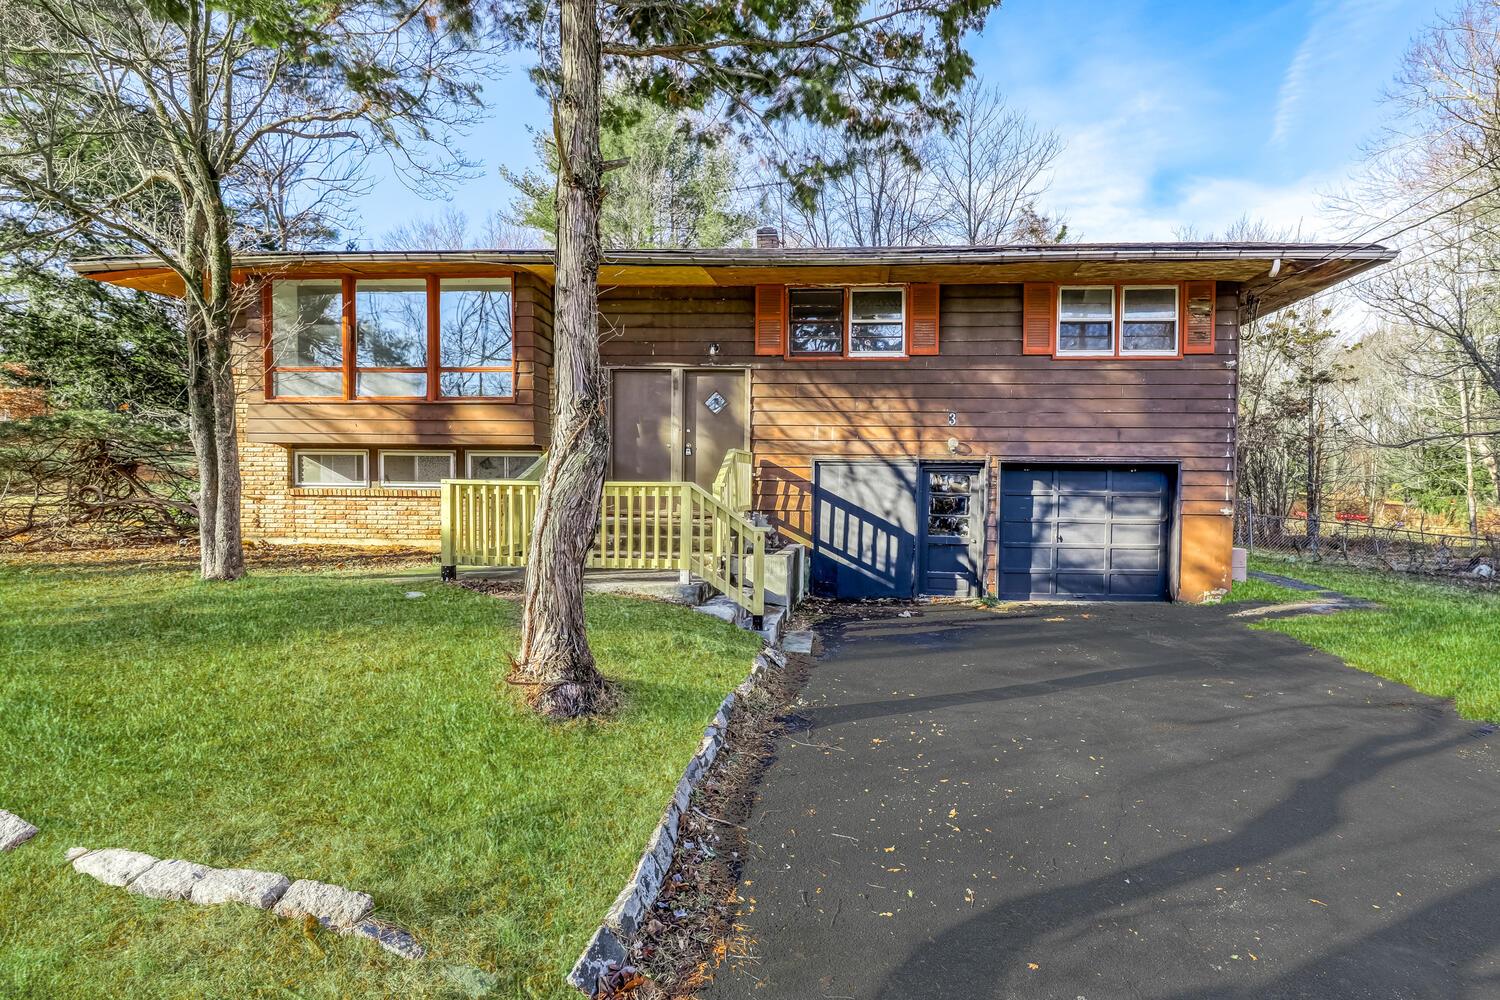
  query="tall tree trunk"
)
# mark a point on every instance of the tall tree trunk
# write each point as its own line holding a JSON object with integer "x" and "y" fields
{"x": 1314, "y": 477}
{"x": 555, "y": 660}
{"x": 1466, "y": 424}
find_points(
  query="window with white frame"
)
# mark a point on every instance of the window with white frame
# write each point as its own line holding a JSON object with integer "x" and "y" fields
{"x": 499, "y": 464}
{"x": 1148, "y": 319}
{"x": 1086, "y": 320}
{"x": 846, "y": 322}
{"x": 340, "y": 468}
{"x": 415, "y": 468}
{"x": 877, "y": 321}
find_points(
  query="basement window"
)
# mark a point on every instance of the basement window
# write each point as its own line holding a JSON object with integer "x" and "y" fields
{"x": 499, "y": 464}
{"x": 415, "y": 468}
{"x": 346, "y": 469}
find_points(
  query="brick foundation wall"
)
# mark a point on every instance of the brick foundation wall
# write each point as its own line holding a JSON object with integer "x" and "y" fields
{"x": 275, "y": 511}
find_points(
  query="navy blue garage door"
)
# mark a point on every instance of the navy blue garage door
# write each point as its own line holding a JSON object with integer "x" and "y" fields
{"x": 1081, "y": 532}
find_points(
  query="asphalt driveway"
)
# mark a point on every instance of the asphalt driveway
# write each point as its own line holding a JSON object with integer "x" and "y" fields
{"x": 1116, "y": 801}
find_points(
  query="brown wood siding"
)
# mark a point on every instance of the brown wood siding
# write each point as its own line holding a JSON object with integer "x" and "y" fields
{"x": 522, "y": 423}
{"x": 1008, "y": 405}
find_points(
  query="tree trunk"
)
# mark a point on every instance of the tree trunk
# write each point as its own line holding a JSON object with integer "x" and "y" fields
{"x": 1466, "y": 425}
{"x": 555, "y": 660}
{"x": 1314, "y": 477}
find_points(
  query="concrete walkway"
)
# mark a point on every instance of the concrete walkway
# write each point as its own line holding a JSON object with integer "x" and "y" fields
{"x": 1116, "y": 801}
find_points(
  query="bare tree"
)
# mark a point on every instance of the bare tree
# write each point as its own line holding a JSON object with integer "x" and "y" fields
{"x": 989, "y": 171}
{"x": 153, "y": 126}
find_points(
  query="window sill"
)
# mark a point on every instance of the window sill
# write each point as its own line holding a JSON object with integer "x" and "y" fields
{"x": 363, "y": 491}
{"x": 299, "y": 400}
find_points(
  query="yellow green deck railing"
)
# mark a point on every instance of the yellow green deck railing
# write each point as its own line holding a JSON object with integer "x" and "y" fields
{"x": 643, "y": 526}
{"x": 735, "y": 480}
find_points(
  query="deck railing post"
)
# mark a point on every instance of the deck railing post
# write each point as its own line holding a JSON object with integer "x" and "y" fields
{"x": 448, "y": 557}
{"x": 684, "y": 533}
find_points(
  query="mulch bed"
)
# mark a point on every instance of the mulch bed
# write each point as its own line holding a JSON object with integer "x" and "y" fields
{"x": 695, "y": 927}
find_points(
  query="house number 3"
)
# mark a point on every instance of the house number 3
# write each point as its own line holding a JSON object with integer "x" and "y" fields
{"x": 952, "y": 418}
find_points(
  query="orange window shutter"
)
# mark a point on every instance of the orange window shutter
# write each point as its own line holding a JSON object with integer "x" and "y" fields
{"x": 1198, "y": 317}
{"x": 1039, "y": 318}
{"x": 922, "y": 319}
{"x": 770, "y": 319}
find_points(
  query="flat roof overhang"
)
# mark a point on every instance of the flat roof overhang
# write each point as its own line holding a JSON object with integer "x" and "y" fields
{"x": 1273, "y": 275}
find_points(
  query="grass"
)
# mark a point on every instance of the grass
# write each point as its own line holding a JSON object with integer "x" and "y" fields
{"x": 1441, "y": 640}
{"x": 326, "y": 727}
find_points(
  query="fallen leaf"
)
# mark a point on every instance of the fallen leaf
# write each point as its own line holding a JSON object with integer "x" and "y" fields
{"x": 1318, "y": 901}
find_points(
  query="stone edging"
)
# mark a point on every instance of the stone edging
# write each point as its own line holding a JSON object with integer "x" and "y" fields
{"x": 606, "y": 950}
{"x": 341, "y": 910}
{"x": 14, "y": 831}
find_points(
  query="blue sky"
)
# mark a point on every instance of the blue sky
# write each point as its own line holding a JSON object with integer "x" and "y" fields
{"x": 1173, "y": 113}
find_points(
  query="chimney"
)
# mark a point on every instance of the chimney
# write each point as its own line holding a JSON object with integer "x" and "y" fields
{"x": 768, "y": 238}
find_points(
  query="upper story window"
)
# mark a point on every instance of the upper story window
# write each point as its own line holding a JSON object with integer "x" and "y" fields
{"x": 1086, "y": 321}
{"x": 307, "y": 339}
{"x": 391, "y": 339}
{"x": 846, "y": 322}
{"x": 476, "y": 346}
{"x": 1106, "y": 320}
{"x": 1148, "y": 319}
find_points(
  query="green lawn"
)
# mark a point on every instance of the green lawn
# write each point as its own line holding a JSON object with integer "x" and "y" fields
{"x": 1440, "y": 640}
{"x": 326, "y": 727}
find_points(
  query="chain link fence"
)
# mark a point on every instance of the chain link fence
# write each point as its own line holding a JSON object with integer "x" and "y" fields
{"x": 1360, "y": 544}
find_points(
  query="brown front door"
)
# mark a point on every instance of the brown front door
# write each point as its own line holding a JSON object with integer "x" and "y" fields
{"x": 642, "y": 436}
{"x": 714, "y": 421}
{"x": 672, "y": 424}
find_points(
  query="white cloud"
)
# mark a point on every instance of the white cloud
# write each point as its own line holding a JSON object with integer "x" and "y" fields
{"x": 1337, "y": 41}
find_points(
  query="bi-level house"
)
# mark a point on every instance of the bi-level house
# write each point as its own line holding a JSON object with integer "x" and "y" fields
{"x": 1029, "y": 422}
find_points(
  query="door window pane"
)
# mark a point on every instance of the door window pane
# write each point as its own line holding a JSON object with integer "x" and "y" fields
{"x": 817, "y": 320}
{"x": 390, "y": 323}
{"x": 1150, "y": 321}
{"x": 475, "y": 324}
{"x": 306, "y": 324}
{"x": 1086, "y": 321}
{"x": 948, "y": 503}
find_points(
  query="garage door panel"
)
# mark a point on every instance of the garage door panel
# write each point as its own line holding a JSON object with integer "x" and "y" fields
{"x": 1026, "y": 583}
{"x": 1091, "y": 558}
{"x": 1031, "y": 484}
{"x": 1135, "y": 533}
{"x": 1136, "y": 559}
{"x": 1087, "y": 507}
{"x": 1082, "y": 481}
{"x": 1076, "y": 532}
{"x": 1134, "y": 585}
{"x": 1083, "y": 532}
{"x": 1146, "y": 508}
{"x": 1027, "y": 532}
{"x": 1025, "y": 507}
{"x": 1018, "y": 558}
{"x": 1146, "y": 481}
{"x": 1073, "y": 584}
